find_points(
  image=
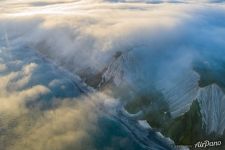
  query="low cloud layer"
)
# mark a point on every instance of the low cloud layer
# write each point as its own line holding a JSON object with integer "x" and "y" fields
{"x": 42, "y": 107}
{"x": 69, "y": 122}
{"x": 62, "y": 31}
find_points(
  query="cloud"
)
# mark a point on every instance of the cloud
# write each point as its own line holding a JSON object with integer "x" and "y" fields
{"x": 66, "y": 127}
{"x": 84, "y": 36}
{"x": 13, "y": 95}
{"x": 157, "y": 27}
{"x": 2, "y": 67}
{"x": 69, "y": 123}
{"x": 104, "y": 34}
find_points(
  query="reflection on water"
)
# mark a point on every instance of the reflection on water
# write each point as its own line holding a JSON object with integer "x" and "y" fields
{"x": 42, "y": 108}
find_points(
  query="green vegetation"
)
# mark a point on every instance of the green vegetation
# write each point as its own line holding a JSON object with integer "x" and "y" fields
{"x": 211, "y": 72}
{"x": 186, "y": 129}
{"x": 153, "y": 101}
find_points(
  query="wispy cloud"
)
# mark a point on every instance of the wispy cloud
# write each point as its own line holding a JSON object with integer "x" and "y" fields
{"x": 68, "y": 124}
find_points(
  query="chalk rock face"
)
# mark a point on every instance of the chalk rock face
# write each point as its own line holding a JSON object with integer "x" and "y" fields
{"x": 212, "y": 104}
{"x": 178, "y": 89}
{"x": 120, "y": 69}
{"x": 180, "y": 92}
{"x": 114, "y": 72}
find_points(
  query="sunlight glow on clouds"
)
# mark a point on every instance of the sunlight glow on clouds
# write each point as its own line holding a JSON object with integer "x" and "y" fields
{"x": 93, "y": 32}
{"x": 67, "y": 125}
{"x": 61, "y": 31}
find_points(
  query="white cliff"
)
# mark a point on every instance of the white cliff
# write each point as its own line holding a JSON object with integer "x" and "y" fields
{"x": 180, "y": 92}
{"x": 120, "y": 70}
{"x": 212, "y": 104}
